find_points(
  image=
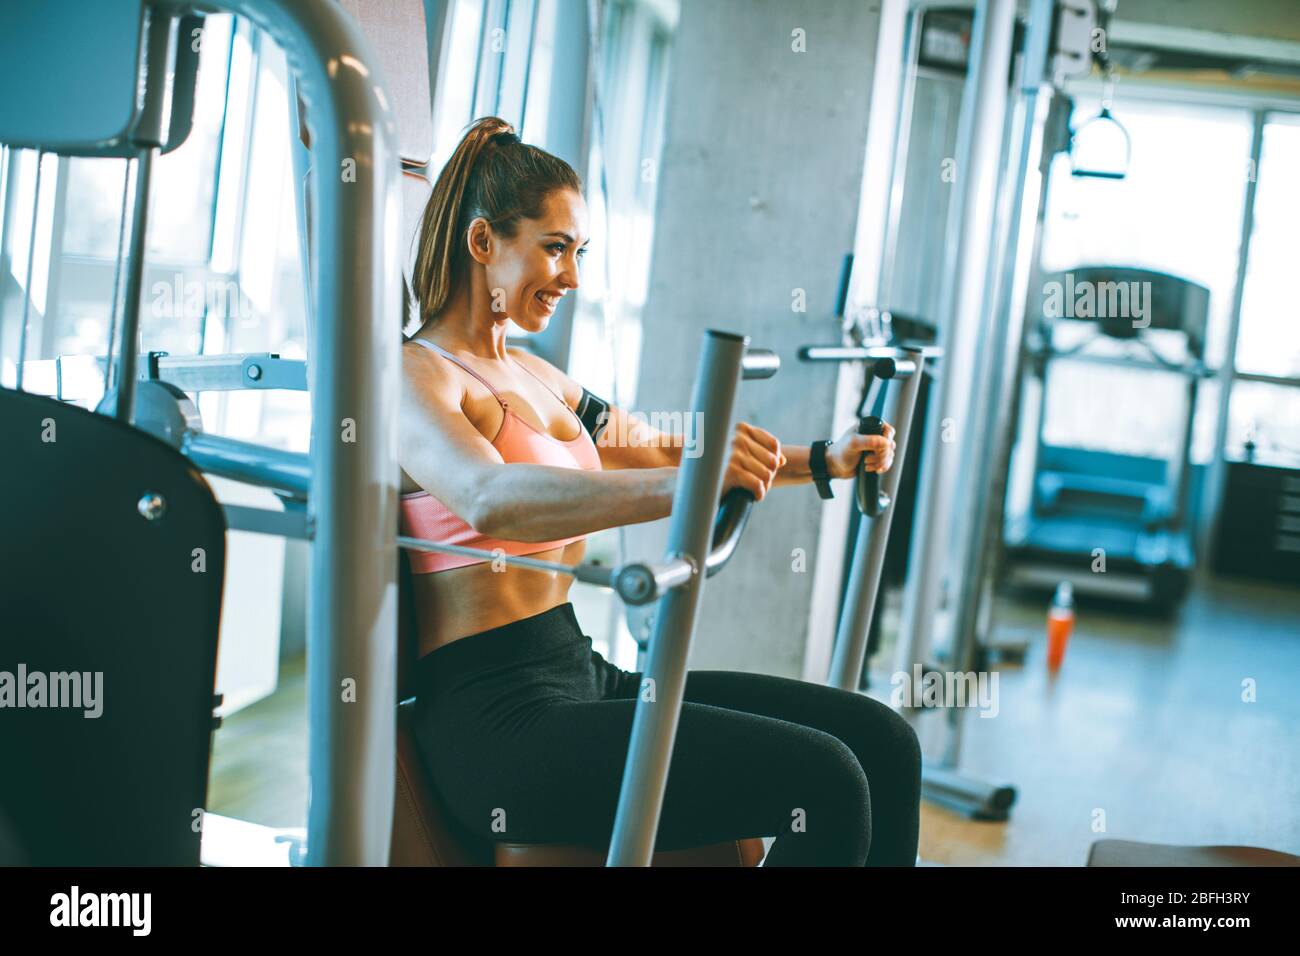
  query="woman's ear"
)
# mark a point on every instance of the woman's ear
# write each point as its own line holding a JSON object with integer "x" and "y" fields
{"x": 478, "y": 239}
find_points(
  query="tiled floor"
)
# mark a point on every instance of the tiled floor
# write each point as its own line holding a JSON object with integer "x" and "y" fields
{"x": 1144, "y": 732}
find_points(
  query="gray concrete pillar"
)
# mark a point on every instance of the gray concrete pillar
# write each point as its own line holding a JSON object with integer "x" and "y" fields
{"x": 757, "y": 204}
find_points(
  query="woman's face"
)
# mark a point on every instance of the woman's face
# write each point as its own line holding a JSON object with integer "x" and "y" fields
{"x": 528, "y": 274}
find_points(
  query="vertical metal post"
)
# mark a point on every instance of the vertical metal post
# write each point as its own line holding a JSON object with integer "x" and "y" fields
{"x": 950, "y": 436}
{"x": 126, "y": 358}
{"x": 117, "y": 277}
{"x": 869, "y": 548}
{"x": 695, "y": 502}
{"x": 27, "y": 284}
{"x": 996, "y": 379}
{"x": 352, "y": 592}
{"x": 1217, "y": 473}
{"x": 148, "y": 135}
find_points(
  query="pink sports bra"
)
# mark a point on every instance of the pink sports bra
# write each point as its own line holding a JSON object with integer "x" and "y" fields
{"x": 424, "y": 516}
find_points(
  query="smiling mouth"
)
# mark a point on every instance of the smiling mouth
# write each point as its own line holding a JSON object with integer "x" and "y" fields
{"x": 549, "y": 300}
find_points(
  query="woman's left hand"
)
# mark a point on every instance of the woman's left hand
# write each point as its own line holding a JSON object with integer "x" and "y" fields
{"x": 843, "y": 454}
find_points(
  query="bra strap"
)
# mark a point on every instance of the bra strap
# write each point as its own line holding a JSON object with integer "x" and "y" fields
{"x": 442, "y": 351}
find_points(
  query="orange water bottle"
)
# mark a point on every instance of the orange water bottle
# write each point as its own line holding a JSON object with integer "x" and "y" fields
{"x": 1060, "y": 622}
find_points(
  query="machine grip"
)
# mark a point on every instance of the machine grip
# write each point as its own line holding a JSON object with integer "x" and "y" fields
{"x": 870, "y": 500}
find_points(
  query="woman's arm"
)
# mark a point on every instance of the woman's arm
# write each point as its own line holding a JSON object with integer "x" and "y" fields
{"x": 630, "y": 442}
{"x": 842, "y": 456}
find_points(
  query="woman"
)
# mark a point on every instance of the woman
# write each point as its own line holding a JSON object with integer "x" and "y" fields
{"x": 526, "y": 723}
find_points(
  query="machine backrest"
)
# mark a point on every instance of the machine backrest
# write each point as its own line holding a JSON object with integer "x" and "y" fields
{"x": 78, "y": 73}
{"x": 424, "y": 834}
{"x": 92, "y": 586}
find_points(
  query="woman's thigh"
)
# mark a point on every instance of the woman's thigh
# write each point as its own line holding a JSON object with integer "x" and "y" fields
{"x": 884, "y": 744}
{"x": 733, "y": 774}
{"x": 873, "y": 730}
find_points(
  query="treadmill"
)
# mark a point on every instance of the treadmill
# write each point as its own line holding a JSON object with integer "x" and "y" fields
{"x": 1139, "y": 511}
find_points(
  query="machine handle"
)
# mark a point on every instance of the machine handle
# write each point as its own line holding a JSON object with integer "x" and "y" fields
{"x": 872, "y": 502}
{"x": 728, "y": 526}
{"x": 759, "y": 363}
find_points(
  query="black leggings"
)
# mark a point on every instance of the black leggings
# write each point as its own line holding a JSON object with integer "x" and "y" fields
{"x": 527, "y": 728}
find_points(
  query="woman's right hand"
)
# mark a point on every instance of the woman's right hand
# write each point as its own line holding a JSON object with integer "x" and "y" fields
{"x": 755, "y": 460}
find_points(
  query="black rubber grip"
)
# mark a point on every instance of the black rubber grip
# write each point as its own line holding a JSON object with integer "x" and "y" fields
{"x": 867, "y": 485}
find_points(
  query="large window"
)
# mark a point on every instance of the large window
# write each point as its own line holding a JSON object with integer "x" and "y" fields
{"x": 1149, "y": 220}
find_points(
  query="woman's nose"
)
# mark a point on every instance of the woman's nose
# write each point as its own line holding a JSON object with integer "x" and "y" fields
{"x": 570, "y": 275}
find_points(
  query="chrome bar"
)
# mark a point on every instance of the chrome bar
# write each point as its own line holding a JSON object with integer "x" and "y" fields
{"x": 964, "y": 317}
{"x": 283, "y": 524}
{"x": 147, "y": 135}
{"x": 284, "y": 471}
{"x": 78, "y": 377}
{"x": 695, "y": 501}
{"x": 222, "y": 373}
{"x": 850, "y": 649}
{"x": 864, "y": 353}
{"x": 760, "y": 363}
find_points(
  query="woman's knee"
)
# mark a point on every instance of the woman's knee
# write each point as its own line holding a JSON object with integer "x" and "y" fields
{"x": 832, "y": 776}
{"x": 886, "y": 737}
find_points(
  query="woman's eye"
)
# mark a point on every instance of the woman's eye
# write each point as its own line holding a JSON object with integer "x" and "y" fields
{"x": 556, "y": 247}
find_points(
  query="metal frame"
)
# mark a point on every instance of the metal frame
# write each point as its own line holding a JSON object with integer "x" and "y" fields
{"x": 353, "y": 483}
{"x": 969, "y": 326}
{"x": 962, "y": 304}
{"x": 1006, "y": 283}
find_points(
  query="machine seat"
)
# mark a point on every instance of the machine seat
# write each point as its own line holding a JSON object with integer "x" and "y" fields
{"x": 424, "y": 833}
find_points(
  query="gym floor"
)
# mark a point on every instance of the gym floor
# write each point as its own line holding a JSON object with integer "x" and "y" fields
{"x": 1145, "y": 723}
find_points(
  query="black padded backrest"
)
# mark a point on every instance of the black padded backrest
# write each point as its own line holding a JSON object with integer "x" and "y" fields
{"x": 89, "y": 585}
{"x": 408, "y": 632}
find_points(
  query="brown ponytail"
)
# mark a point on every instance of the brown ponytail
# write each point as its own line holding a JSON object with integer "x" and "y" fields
{"x": 490, "y": 175}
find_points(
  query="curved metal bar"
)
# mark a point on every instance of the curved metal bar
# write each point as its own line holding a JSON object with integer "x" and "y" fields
{"x": 733, "y": 515}
{"x": 354, "y": 356}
